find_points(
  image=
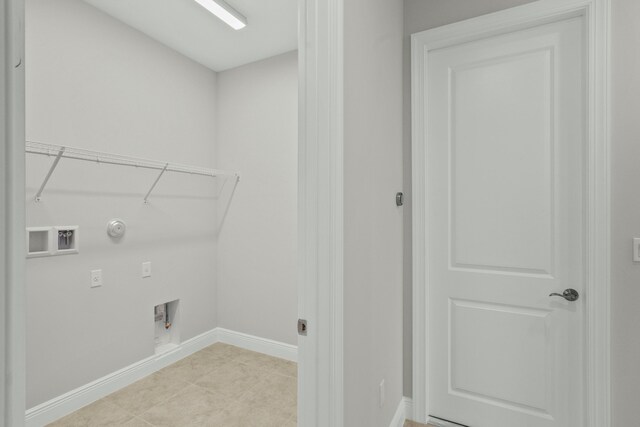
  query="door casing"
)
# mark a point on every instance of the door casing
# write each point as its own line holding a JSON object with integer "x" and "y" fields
{"x": 12, "y": 215}
{"x": 596, "y": 15}
{"x": 320, "y": 213}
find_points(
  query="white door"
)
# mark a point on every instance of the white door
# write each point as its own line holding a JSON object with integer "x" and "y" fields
{"x": 505, "y": 228}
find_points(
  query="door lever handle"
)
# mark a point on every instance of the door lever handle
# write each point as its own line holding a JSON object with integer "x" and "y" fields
{"x": 568, "y": 294}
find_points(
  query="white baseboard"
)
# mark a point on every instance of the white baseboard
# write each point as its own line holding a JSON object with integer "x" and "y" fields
{"x": 67, "y": 403}
{"x": 399, "y": 416}
{"x": 403, "y": 413}
{"x": 408, "y": 408}
{"x": 261, "y": 345}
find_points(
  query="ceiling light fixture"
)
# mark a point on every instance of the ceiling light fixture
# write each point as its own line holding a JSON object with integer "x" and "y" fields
{"x": 226, "y": 13}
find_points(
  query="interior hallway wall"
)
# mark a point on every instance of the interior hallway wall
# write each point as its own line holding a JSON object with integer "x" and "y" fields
{"x": 258, "y": 135}
{"x": 372, "y": 221}
{"x": 625, "y": 216}
{"x": 95, "y": 83}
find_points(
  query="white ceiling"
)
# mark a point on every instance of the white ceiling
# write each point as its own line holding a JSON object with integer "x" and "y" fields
{"x": 188, "y": 28}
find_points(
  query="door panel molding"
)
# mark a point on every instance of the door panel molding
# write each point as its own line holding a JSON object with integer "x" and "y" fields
{"x": 596, "y": 16}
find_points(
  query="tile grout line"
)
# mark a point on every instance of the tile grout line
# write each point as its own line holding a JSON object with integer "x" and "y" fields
{"x": 145, "y": 421}
{"x": 188, "y": 383}
{"x": 234, "y": 401}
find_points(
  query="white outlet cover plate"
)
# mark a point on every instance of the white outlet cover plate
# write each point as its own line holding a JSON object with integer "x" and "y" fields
{"x": 146, "y": 269}
{"x": 96, "y": 278}
{"x": 636, "y": 249}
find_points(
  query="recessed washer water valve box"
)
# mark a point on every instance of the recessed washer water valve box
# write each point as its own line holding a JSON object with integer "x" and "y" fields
{"x": 166, "y": 317}
{"x": 67, "y": 238}
{"x": 50, "y": 241}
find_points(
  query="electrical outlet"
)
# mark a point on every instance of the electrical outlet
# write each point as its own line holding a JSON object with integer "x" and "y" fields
{"x": 146, "y": 269}
{"x": 96, "y": 278}
{"x": 382, "y": 393}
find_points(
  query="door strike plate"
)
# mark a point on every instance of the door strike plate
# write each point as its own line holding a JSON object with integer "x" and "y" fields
{"x": 302, "y": 327}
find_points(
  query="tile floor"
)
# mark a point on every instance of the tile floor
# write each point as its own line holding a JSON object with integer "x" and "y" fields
{"x": 415, "y": 424}
{"x": 221, "y": 385}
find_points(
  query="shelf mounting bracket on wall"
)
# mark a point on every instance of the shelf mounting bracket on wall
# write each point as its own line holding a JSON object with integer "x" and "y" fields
{"x": 51, "y": 169}
{"x": 146, "y": 198}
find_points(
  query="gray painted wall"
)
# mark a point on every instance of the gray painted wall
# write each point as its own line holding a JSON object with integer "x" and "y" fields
{"x": 625, "y": 217}
{"x": 372, "y": 223}
{"x": 96, "y": 83}
{"x": 425, "y": 14}
{"x": 257, "y": 258}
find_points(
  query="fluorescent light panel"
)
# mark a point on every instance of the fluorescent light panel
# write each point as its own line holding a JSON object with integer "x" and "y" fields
{"x": 226, "y": 13}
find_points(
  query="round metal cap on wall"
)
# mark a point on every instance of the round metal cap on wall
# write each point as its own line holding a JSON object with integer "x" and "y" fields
{"x": 116, "y": 228}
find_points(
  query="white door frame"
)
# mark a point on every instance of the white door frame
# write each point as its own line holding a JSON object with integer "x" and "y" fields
{"x": 320, "y": 163}
{"x": 597, "y": 206}
{"x": 12, "y": 212}
{"x": 320, "y": 213}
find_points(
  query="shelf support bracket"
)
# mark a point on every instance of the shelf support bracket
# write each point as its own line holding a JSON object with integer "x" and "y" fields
{"x": 146, "y": 198}
{"x": 46, "y": 178}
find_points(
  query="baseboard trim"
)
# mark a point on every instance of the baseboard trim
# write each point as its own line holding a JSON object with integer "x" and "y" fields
{"x": 408, "y": 408}
{"x": 400, "y": 416}
{"x": 67, "y": 403}
{"x": 403, "y": 413}
{"x": 261, "y": 345}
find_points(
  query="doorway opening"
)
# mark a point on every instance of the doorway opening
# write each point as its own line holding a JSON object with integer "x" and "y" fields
{"x": 168, "y": 140}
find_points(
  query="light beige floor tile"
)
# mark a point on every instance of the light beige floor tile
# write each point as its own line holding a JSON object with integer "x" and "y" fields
{"x": 246, "y": 416}
{"x": 253, "y": 358}
{"x": 233, "y": 379}
{"x": 282, "y": 367}
{"x": 194, "y": 406}
{"x": 235, "y": 388}
{"x": 256, "y": 359}
{"x": 195, "y": 366}
{"x": 410, "y": 423}
{"x": 146, "y": 393}
{"x": 277, "y": 394}
{"x": 224, "y": 350}
{"x": 291, "y": 423}
{"x": 257, "y": 419}
{"x": 98, "y": 414}
{"x": 137, "y": 422}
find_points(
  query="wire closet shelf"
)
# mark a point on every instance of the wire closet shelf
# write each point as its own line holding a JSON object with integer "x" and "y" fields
{"x": 58, "y": 152}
